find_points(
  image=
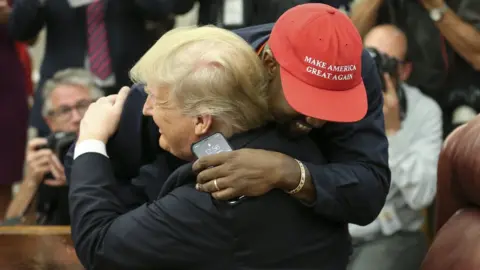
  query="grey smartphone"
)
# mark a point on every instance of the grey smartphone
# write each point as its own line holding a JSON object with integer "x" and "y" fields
{"x": 210, "y": 145}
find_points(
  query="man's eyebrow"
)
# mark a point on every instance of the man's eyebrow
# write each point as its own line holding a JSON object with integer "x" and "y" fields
{"x": 148, "y": 92}
{"x": 157, "y": 102}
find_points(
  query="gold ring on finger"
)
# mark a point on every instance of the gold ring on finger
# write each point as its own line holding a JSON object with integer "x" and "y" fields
{"x": 216, "y": 185}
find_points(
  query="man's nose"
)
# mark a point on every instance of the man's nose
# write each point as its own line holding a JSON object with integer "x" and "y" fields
{"x": 147, "y": 108}
{"x": 76, "y": 116}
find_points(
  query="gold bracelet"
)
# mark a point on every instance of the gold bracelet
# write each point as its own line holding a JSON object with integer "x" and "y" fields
{"x": 302, "y": 179}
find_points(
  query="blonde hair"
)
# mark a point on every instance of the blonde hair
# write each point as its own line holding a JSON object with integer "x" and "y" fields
{"x": 71, "y": 76}
{"x": 208, "y": 71}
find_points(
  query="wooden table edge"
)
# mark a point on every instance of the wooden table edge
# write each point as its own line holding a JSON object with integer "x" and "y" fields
{"x": 34, "y": 230}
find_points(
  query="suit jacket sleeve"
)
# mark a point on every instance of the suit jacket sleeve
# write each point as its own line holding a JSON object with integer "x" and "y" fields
{"x": 109, "y": 236}
{"x": 353, "y": 186}
{"x": 132, "y": 195}
{"x": 26, "y": 19}
{"x": 136, "y": 141}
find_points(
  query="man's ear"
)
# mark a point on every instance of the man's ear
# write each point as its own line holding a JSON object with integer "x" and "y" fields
{"x": 269, "y": 62}
{"x": 203, "y": 124}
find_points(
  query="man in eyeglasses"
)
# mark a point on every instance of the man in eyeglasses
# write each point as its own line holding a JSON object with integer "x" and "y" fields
{"x": 67, "y": 96}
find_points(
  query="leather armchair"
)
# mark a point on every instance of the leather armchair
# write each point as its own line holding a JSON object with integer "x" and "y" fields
{"x": 457, "y": 242}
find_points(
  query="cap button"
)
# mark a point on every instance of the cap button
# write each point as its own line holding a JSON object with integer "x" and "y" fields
{"x": 331, "y": 11}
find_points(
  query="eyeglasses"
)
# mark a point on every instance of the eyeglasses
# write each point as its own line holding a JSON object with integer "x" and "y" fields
{"x": 64, "y": 113}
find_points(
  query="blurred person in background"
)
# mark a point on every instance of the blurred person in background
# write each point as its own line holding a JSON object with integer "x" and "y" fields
{"x": 67, "y": 96}
{"x": 15, "y": 83}
{"x": 103, "y": 36}
{"x": 413, "y": 123}
{"x": 443, "y": 46}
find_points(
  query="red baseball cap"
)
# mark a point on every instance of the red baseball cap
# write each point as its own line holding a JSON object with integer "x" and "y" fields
{"x": 319, "y": 51}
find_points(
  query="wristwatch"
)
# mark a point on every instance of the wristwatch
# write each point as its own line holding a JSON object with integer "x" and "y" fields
{"x": 436, "y": 14}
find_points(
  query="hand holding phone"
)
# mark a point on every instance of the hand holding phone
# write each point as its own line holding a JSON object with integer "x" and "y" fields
{"x": 211, "y": 145}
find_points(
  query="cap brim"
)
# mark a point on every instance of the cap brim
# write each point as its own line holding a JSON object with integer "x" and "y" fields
{"x": 336, "y": 106}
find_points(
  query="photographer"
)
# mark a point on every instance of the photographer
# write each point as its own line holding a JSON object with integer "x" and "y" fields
{"x": 67, "y": 96}
{"x": 444, "y": 46}
{"x": 413, "y": 123}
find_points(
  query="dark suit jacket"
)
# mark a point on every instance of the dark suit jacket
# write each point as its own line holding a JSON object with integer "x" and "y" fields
{"x": 188, "y": 229}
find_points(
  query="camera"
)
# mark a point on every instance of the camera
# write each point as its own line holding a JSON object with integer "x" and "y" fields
{"x": 60, "y": 142}
{"x": 385, "y": 64}
{"x": 389, "y": 65}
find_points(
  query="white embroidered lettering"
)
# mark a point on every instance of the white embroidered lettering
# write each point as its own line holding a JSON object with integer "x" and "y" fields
{"x": 342, "y": 77}
{"x": 318, "y": 72}
{"x": 320, "y": 68}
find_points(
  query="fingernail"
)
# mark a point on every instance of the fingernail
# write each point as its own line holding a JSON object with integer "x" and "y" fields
{"x": 198, "y": 187}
